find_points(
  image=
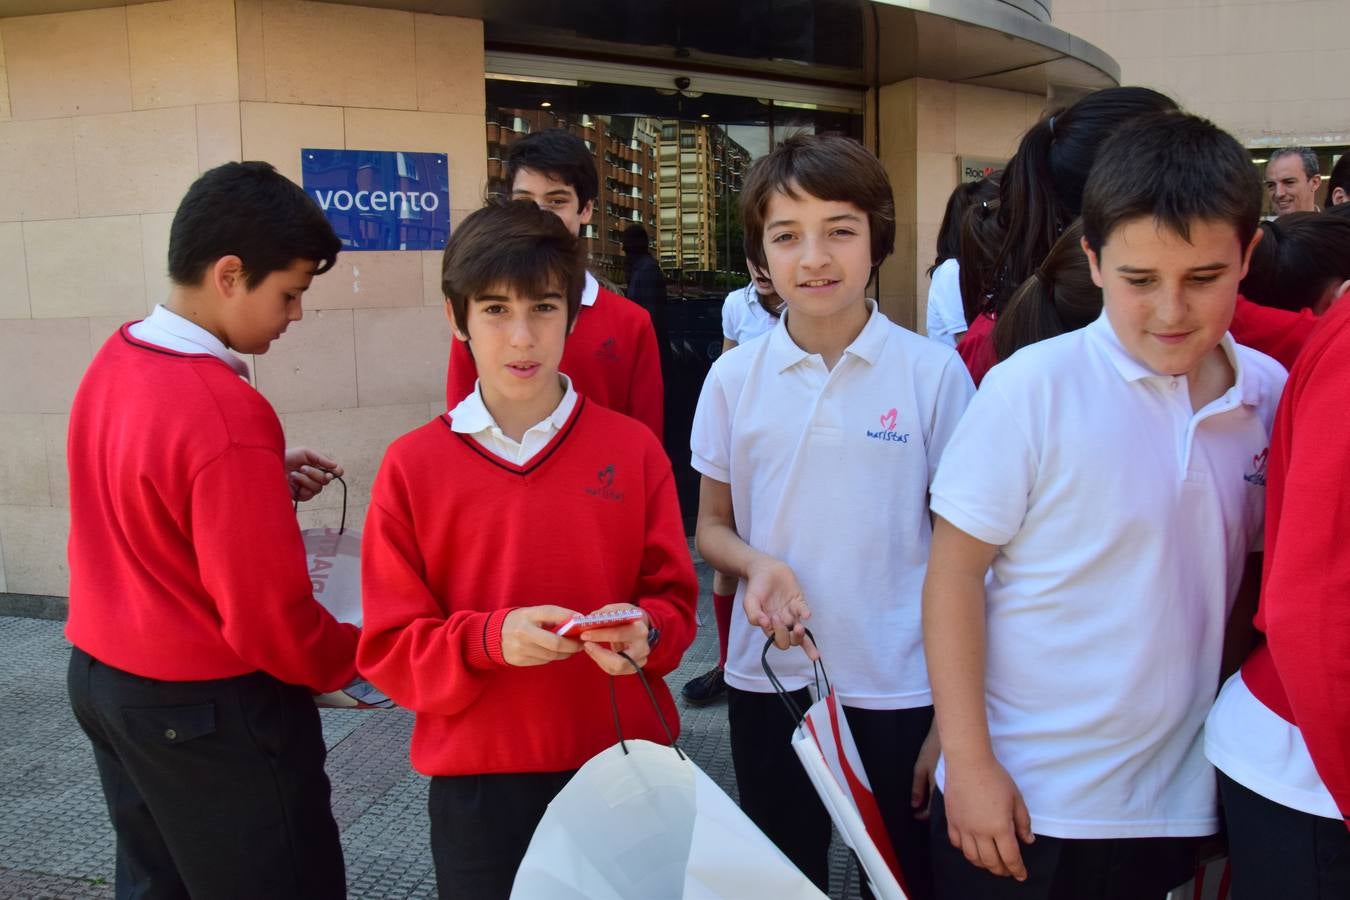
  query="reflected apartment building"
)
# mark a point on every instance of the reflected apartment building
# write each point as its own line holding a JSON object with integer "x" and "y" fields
{"x": 679, "y": 180}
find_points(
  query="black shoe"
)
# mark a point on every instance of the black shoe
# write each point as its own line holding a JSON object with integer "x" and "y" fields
{"x": 707, "y": 688}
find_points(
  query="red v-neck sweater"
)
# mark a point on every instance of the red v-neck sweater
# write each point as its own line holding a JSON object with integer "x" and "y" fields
{"x": 456, "y": 538}
{"x": 610, "y": 356}
{"x": 186, "y": 562}
{"x": 1302, "y": 671}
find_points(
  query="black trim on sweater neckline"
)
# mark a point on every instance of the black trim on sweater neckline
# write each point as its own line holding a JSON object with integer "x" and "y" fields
{"x": 125, "y": 333}
{"x": 542, "y": 457}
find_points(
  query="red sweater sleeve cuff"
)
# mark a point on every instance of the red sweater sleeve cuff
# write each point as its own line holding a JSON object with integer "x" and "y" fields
{"x": 666, "y": 655}
{"x": 485, "y": 648}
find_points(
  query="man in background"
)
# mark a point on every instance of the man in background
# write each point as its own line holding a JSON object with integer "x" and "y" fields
{"x": 1292, "y": 179}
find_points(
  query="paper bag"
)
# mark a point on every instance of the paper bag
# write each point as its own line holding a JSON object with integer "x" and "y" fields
{"x": 1210, "y": 883}
{"x": 824, "y": 744}
{"x": 649, "y": 823}
{"x": 334, "y": 558}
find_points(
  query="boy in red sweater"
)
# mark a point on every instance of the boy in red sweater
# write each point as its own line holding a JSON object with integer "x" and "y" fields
{"x": 611, "y": 354}
{"x": 1279, "y": 732}
{"x": 492, "y": 525}
{"x": 198, "y": 643}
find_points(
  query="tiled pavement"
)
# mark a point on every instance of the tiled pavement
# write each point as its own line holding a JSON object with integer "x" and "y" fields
{"x": 55, "y": 841}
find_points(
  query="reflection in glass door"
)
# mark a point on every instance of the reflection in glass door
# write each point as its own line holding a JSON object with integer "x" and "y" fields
{"x": 674, "y": 162}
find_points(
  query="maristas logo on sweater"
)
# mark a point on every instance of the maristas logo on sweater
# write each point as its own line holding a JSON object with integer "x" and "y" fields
{"x": 608, "y": 350}
{"x": 888, "y": 432}
{"x": 604, "y": 487}
{"x": 1257, "y": 476}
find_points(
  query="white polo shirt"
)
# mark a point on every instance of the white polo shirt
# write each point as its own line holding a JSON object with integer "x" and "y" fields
{"x": 590, "y": 290}
{"x": 744, "y": 317}
{"x": 946, "y": 316}
{"x": 829, "y": 472}
{"x": 1124, "y": 520}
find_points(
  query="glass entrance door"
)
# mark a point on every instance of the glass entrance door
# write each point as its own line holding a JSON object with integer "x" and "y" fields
{"x": 673, "y": 162}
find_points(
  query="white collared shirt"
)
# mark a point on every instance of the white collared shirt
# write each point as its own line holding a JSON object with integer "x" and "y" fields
{"x": 1123, "y": 520}
{"x": 829, "y": 472}
{"x": 590, "y": 290}
{"x": 946, "y": 316}
{"x": 1252, "y": 745}
{"x": 471, "y": 417}
{"x": 165, "y": 328}
{"x": 744, "y": 317}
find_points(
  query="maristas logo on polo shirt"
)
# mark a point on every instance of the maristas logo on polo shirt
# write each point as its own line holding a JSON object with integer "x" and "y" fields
{"x": 608, "y": 350}
{"x": 604, "y": 488}
{"x": 1257, "y": 475}
{"x": 888, "y": 432}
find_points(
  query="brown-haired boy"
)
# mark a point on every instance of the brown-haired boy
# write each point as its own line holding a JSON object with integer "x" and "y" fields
{"x": 1080, "y": 582}
{"x": 492, "y": 525}
{"x": 822, "y": 434}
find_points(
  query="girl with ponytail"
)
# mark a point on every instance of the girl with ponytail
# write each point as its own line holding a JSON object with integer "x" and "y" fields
{"x": 1042, "y": 189}
{"x": 1040, "y": 193}
{"x": 1058, "y": 297}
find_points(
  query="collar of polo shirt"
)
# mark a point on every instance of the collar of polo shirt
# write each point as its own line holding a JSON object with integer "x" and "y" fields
{"x": 784, "y": 352}
{"x": 1130, "y": 369}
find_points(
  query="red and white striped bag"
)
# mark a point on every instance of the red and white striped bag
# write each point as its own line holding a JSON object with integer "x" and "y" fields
{"x": 825, "y": 746}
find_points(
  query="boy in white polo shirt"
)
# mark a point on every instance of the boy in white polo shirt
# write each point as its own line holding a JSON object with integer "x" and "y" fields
{"x": 816, "y": 444}
{"x": 1108, "y": 477}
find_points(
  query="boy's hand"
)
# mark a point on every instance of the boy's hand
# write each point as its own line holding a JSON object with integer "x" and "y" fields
{"x": 921, "y": 792}
{"x": 774, "y": 603}
{"x": 528, "y": 638}
{"x": 630, "y": 639}
{"x": 986, "y": 816}
{"x": 305, "y": 472}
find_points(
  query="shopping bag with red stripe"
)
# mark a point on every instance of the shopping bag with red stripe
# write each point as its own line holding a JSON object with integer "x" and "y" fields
{"x": 1210, "y": 883}
{"x": 826, "y": 749}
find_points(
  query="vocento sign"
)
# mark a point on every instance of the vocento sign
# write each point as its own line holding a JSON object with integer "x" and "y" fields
{"x": 380, "y": 199}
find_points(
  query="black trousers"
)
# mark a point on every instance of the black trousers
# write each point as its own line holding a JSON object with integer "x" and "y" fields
{"x": 481, "y": 826}
{"x": 1276, "y": 851}
{"x": 216, "y": 789}
{"x": 778, "y": 797}
{"x": 1065, "y": 869}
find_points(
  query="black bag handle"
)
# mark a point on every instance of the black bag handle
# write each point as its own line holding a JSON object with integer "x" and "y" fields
{"x": 338, "y": 478}
{"x": 817, "y": 668}
{"x": 646, "y": 685}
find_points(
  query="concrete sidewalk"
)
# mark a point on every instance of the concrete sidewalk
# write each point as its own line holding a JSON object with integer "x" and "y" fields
{"x": 55, "y": 840}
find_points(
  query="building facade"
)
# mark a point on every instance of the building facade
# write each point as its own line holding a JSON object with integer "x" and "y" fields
{"x": 1270, "y": 73}
{"x": 109, "y": 110}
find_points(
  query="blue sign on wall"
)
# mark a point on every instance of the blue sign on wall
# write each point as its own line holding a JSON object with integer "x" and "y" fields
{"x": 381, "y": 200}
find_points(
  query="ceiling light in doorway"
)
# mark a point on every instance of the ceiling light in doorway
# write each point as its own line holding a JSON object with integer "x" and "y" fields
{"x": 545, "y": 104}
{"x": 530, "y": 79}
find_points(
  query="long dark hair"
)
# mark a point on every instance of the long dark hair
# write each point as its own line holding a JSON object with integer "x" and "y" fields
{"x": 1041, "y": 190}
{"x": 981, "y": 236}
{"x": 1299, "y": 255}
{"x": 1059, "y": 297}
{"x": 961, "y": 199}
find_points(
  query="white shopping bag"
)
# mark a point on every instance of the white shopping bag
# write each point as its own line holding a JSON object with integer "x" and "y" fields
{"x": 1210, "y": 882}
{"x": 824, "y": 744}
{"x": 334, "y": 558}
{"x": 640, "y": 821}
